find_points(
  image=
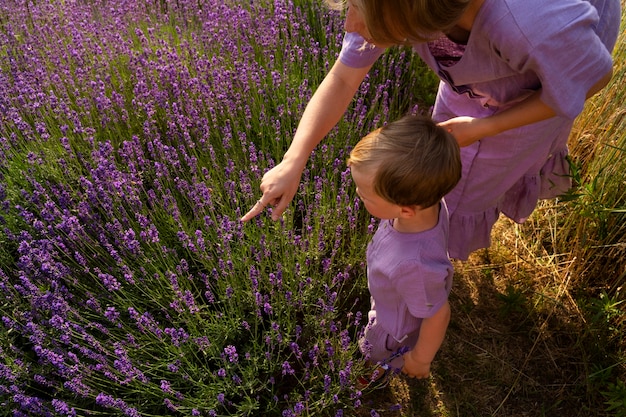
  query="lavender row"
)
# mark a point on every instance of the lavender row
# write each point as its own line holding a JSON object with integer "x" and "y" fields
{"x": 132, "y": 136}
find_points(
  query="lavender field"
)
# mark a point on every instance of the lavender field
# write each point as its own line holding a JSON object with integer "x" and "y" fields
{"x": 133, "y": 135}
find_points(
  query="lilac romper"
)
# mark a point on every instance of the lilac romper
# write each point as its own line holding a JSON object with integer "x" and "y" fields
{"x": 409, "y": 276}
{"x": 515, "y": 48}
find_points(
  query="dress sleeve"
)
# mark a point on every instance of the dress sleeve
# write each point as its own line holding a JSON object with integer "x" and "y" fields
{"x": 565, "y": 54}
{"x": 357, "y": 53}
{"x": 424, "y": 287}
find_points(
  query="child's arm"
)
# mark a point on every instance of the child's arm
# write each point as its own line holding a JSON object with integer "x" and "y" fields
{"x": 433, "y": 330}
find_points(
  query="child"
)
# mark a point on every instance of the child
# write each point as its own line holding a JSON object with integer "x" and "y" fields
{"x": 401, "y": 173}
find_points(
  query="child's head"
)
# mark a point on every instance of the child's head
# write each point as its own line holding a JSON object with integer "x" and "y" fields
{"x": 409, "y": 162}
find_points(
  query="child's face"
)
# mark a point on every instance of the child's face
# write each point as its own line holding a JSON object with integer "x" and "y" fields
{"x": 375, "y": 204}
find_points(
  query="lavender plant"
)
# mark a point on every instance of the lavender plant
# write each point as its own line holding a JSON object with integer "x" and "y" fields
{"x": 132, "y": 136}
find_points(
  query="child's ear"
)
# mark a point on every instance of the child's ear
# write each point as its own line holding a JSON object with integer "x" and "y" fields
{"x": 408, "y": 211}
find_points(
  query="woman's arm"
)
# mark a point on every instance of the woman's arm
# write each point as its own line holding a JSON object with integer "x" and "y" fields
{"x": 432, "y": 332}
{"x": 468, "y": 130}
{"x": 326, "y": 107}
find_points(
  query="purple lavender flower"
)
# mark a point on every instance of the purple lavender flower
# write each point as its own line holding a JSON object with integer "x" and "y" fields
{"x": 178, "y": 336}
{"x": 112, "y": 314}
{"x": 166, "y": 387}
{"x": 231, "y": 353}
{"x": 170, "y": 405}
{"x": 287, "y": 369}
{"x": 109, "y": 281}
{"x": 62, "y": 408}
{"x": 105, "y": 400}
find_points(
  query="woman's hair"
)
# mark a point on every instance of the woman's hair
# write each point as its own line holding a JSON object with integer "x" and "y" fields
{"x": 415, "y": 162}
{"x": 407, "y": 21}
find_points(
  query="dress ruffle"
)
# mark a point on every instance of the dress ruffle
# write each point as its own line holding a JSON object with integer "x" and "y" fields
{"x": 555, "y": 176}
{"x": 551, "y": 181}
{"x": 471, "y": 231}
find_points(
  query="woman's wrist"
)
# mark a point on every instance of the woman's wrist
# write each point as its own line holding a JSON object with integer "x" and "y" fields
{"x": 296, "y": 157}
{"x": 489, "y": 126}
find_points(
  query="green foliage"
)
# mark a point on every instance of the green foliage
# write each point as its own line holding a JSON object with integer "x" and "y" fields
{"x": 608, "y": 309}
{"x": 513, "y": 301}
{"x": 593, "y": 232}
{"x": 616, "y": 399}
{"x": 594, "y": 228}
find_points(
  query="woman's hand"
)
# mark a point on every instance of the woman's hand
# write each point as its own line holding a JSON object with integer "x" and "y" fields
{"x": 279, "y": 186}
{"x": 466, "y": 130}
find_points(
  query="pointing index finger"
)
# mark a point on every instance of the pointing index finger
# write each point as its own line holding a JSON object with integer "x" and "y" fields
{"x": 254, "y": 211}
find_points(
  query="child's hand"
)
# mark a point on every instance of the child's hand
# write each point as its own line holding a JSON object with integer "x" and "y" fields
{"x": 414, "y": 368}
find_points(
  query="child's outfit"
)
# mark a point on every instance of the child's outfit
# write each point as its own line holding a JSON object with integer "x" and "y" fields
{"x": 409, "y": 277}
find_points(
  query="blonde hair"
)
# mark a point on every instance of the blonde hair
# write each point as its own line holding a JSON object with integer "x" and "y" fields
{"x": 407, "y": 21}
{"x": 415, "y": 161}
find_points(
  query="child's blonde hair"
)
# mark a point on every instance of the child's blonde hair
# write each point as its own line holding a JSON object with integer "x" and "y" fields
{"x": 414, "y": 161}
{"x": 407, "y": 21}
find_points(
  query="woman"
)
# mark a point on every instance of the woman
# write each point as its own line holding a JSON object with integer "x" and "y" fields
{"x": 514, "y": 75}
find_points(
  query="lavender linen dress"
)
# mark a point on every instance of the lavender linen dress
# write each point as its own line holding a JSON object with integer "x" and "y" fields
{"x": 516, "y": 47}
